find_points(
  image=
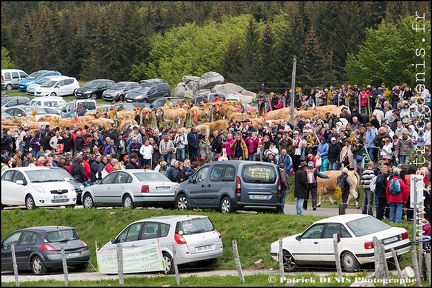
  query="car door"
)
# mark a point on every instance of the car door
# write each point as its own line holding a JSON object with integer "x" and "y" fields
{"x": 119, "y": 187}
{"x": 13, "y": 193}
{"x": 25, "y": 249}
{"x": 326, "y": 243}
{"x": 215, "y": 184}
{"x": 6, "y": 250}
{"x": 103, "y": 192}
{"x": 197, "y": 187}
{"x": 129, "y": 237}
{"x": 308, "y": 249}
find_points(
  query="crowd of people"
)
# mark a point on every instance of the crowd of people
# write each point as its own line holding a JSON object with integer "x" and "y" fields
{"x": 385, "y": 142}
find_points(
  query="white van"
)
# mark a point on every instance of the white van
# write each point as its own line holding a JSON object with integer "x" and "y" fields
{"x": 60, "y": 86}
{"x": 68, "y": 110}
{"x": 11, "y": 77}
{"x": 54, "y": 102}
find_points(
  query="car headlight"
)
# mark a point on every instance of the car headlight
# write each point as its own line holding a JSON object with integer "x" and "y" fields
{"x": 81, "y": 187}
{"x": 39, "y": 189}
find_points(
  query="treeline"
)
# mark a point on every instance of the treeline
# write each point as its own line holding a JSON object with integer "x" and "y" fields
{"x": 248, "y": 42}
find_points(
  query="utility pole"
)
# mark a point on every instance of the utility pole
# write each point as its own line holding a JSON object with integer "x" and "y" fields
{"x": 293, "y": 89}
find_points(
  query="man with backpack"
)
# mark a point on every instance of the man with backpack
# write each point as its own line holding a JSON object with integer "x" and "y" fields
{"x": 397, "y": 195}
{"x": 344, "y": 183}
{"x": 285, "y": 185}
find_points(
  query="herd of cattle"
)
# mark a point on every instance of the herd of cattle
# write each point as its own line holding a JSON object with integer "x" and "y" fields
{"x": 208, "y": 117}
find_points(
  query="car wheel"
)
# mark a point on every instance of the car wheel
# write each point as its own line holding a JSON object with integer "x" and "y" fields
{"x": 121, "y": 98}
{"x": 93, "y": 96}
{"x": 9, "y": 87}
{"x": 226, "y": 205}
{"x": 81, "y": 267}
{"x": 53, "y": 94}
{"x": 145, "y": 100}
{"x": 29, "y": 203}
{"x": 349, "y": 262}
{"x": 182, "y": 202}
{"x": 128, "y": 202}
{"x": 169, "y": 263}
{"x": 37, "y": 266}
{"x": 88, "y": 201}
{"x": 289, "y": 263}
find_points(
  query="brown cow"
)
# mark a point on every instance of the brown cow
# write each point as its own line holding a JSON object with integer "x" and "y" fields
{"x": 278, "y": 114}
{"x": 216, "y": 125}
{"x": 327, "y": 186}
{"x": 199, "y": 114}
{"x": 148, "y": 117}
{"x": 171, "y": 115}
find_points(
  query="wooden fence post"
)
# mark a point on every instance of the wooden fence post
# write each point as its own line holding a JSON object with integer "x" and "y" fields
{"x": 237, "y": 261}
{"x": 398, "y": 267}
{"x": 177, "y": 275}
{"x": 428, "y": 266}
{"x": 416, "y": 267}
{"x": 65, "y": 269}
{"x": 15, "y": 266}
{"x": 281, "y": 266}
{"x": 386, "y": 281}
{"x": 378, "y": 263}
{"x": 336, "y": 253}
{"x": 120, "y": 264}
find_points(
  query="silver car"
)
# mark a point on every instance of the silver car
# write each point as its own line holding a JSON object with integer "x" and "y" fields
{"x": 193, "y": 236}
{"x": 130, "y": 188}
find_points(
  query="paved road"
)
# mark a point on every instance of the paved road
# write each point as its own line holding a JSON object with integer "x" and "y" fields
{"x": 290, "y": 209}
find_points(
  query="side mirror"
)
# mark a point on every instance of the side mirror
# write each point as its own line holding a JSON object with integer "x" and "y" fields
{"x": 298, "y": 238}
{"x": 113, "y": 241}
{"x": 20, "y": 182}
{"x": 151, "y": 106}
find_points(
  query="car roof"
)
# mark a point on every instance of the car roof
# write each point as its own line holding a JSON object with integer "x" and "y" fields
{"x": 45, "y": 228}
{"x": 239, "y": 162}
{"x": 28, "y": 168}
{"x": 171, "y": 218}
{"x": 100, "y": 80}
{"x": 48, "y": 98}
{"x": 343, "y": 218}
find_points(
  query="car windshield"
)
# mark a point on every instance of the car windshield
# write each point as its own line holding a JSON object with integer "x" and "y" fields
{"x": 258, "y": 174}
{"x": 44, "y": 175}
{"x": 63, "y": 173}
{"x": 149, "y": 176}
{"x": 61, "y": 235}
{"x": 42, "y": 80}
{"x": 142, "y": 89}
{"x": 49, "y": 83}
{"x": 34, "y": 75}
{"x": 118, "y": 86}
{"x": 367, "y": 225}
{"x": 194, "y": 225}
{"x": 92, "y": 84}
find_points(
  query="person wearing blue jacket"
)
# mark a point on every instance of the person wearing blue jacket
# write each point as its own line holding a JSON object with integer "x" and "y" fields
{"x": 285, "y": 158}
{"x": 323, "y": 151}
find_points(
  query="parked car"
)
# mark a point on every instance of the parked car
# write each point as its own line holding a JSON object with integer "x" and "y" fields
{"x": 78, "y": 186}
{"x": 14, "y": 101}
{"x": 231, "y": 185}
{"x": 118, "y": 91}
{"x": 11, "y": 77}
{"x": 39, "y": 249}
{"x": 3, "y": 94}
{"x": 193, "y": 236}
{"x": 33, "y": 77}
{"x": 39, "y": 82}
{"x": 148, "y": 91}
{"x": 35, "y": 187}
{"x": 26, "y": 110}
{"x": 59, "y": 86}
{"x": 94, "y": 89}
{"x": 53, "y": 102}
{"x": 207, "y": 97}
{"x": 68, "y": 110}
{"x": 356, "y": 231}
{"x": 130, "y": 188}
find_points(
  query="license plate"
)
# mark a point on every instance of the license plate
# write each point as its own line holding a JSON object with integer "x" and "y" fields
{"x": 162, "y": 188}
{"x": 75, "y": 254}
{"x": 260, "y": 197}
{"x": 60, "y": 196}
{"x": 204, "y": 248}
{"x": 390, "y": 240}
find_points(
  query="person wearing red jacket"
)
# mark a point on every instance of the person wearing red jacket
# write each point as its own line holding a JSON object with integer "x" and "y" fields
{"x": 396, "y": 201}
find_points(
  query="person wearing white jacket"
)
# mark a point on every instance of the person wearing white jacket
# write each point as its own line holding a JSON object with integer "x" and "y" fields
{"x": 146, "y": 151}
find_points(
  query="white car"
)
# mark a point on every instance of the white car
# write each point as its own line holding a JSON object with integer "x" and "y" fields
{"x": 57, "y": 86}
{"x": 33, "y": 86}
{"x": 35, "y": 187}
{"x": 130, "y": 188}
{"x": 193, "y": 236}
{"x": 315, "y": 245}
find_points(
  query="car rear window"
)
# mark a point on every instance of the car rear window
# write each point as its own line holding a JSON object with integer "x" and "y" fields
{"x": 366, "y": 226}
{"x": 61, "y": 235}
{"x": 194, "y": 226}
{"x": 259, "y": 174}
{"x": 150, "y": 176}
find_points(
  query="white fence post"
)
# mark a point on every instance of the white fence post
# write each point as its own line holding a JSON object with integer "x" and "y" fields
{"x": 15, "y": 266}
{"x": 281, "y": 266}
{"x": 336, "y": 252}
{"x": 120, "y": 264}
{"x": 237, "y": 261}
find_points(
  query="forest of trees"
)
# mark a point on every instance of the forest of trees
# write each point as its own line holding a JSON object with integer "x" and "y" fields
{"x": 248, "y": 42}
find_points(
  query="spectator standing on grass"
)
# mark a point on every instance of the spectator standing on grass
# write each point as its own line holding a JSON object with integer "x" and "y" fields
{"x": 396, "y": 199}
{"x": 365, "y": 179}
{"x": 301, "y": 186}
{"x": 380, "y": 192}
